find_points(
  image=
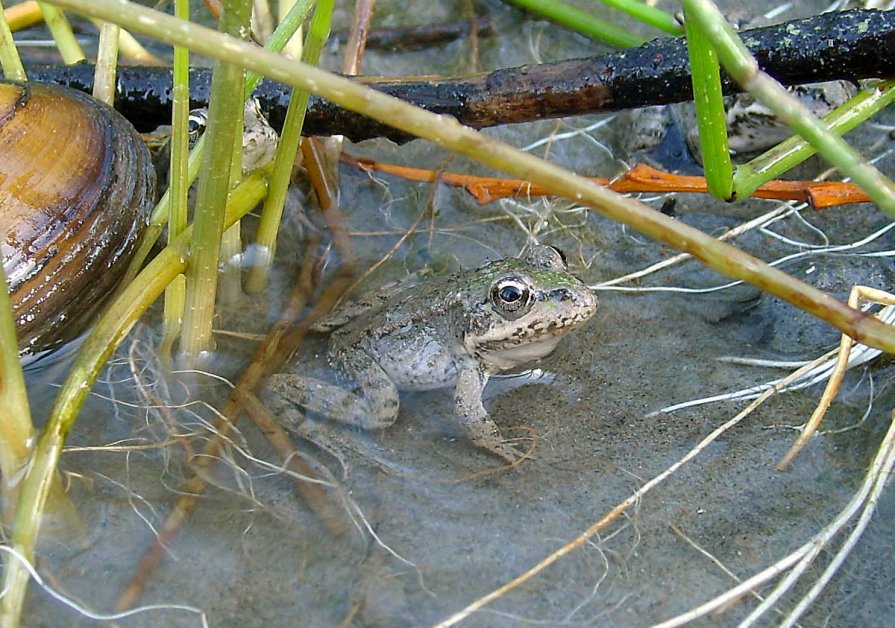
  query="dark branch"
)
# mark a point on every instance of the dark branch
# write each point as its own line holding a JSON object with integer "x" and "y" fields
{"x": 848, "y": 45}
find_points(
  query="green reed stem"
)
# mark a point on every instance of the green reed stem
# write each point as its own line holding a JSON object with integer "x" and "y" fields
{"x": 743, "y": 68}
{"x": 272, "y": 213}
{"x": 106, "y": 63}
{"x": 647, "y": 14}
{"x": 709, "y": 103}
{"x": 16, "y": 429}
{"x": 9, "y": 55}
{"x": 59, "y": 27}
{"x": 225, "y": 114}
{"x": 582, "y": 21}
{"x": 771, "y": 165}
{"x": 230, "y": 275}
{"x": 179, "y": 182}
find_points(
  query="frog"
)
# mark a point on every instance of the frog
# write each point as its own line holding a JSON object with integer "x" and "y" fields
{"x": 751, "y": 126}
{"x": 454, "y": 331}
{"x": 259, "y": 139}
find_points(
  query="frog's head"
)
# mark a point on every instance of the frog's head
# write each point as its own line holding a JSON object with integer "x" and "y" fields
{"x": 529, "y": 304}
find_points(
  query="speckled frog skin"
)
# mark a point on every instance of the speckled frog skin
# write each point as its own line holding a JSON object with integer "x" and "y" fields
{"x": 454, "y": 331}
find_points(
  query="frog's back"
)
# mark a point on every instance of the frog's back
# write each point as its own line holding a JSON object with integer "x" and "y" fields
{"x": 368, "y": 304}
{"x": 415, "y": 337}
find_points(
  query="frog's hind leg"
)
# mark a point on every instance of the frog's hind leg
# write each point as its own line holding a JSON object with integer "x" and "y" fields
{"x": 373, "y": 405}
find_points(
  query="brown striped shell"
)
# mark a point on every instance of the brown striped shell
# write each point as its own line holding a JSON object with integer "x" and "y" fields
{"x": 76, "y": 186}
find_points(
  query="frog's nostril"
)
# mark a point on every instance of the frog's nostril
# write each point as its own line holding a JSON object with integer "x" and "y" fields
{"x": 582, "y": 299}
{"x": 585, "y": 298}
{"x": 590, "y": 299}
{"x": 561, "y": 294}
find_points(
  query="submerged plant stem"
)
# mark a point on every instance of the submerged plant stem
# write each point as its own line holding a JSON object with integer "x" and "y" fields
{"x": 225, "y": 114}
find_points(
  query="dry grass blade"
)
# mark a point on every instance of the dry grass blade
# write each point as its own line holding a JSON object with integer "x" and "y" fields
{"x": 842, "y": 363}
{"x": 800, "y": 559}
{"x": 879, "y": 475}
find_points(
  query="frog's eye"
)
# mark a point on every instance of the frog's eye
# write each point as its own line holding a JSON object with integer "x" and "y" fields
{"x": 196, "y": 123}
{"x": 511, "y": 296}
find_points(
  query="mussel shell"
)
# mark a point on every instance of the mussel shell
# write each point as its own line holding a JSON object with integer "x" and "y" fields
{"x": 76, "y": 187}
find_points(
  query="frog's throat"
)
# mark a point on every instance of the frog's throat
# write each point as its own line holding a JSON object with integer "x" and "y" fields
{"x": 503, "y": 357}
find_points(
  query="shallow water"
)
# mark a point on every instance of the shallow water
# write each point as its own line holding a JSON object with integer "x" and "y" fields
{"x": 422, "y": 539}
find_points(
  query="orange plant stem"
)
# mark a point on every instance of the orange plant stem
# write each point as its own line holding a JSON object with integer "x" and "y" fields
{"x": 640, "y": 178}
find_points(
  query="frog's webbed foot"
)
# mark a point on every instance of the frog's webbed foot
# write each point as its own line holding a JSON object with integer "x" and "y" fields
{"x": 485, "y": 434}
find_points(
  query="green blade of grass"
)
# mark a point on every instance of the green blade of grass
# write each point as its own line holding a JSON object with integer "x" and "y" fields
{"x": 710, "y": 116}
{"x": 647, "y": 14}
{"x": 59, "y": 27}
{"x": 179, "y": 183}
{"x": 225, "y": 114}
{"x": 16, "y": 429}
{"x": 743, "y": 68}
{"x": 106, "y": 63}
{"x": 272, "y": 213}
{"x": 793, "y": 151}
{"x": 9, "y": 54}
{"x": 582, "y": 22}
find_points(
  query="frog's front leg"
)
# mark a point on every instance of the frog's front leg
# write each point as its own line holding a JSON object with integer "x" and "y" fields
{"x": 471, "y": 380}
{"x": 372, "y": 404}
